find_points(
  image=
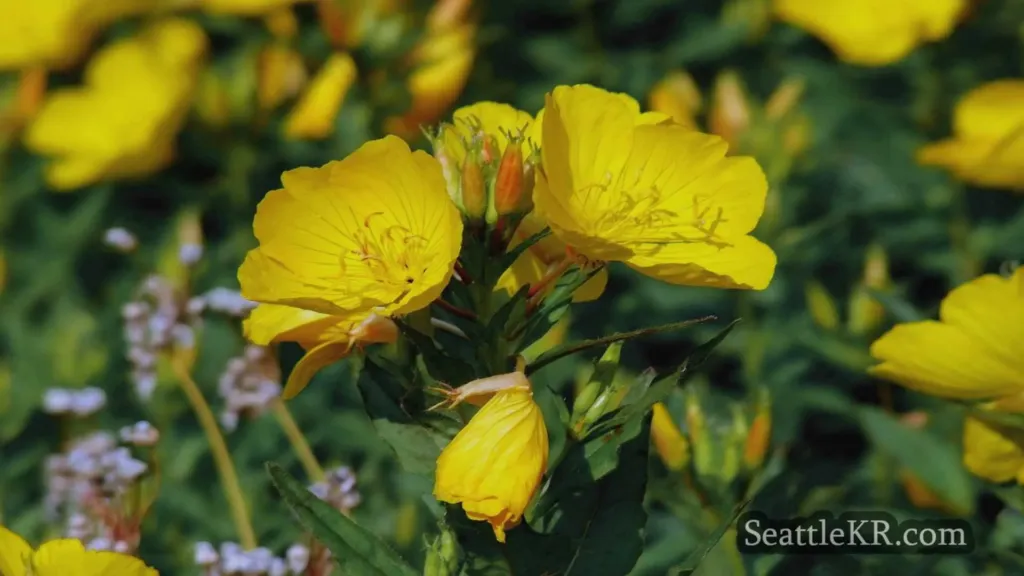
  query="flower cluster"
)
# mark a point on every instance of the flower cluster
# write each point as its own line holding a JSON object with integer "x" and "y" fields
{"x": 349, "y": 249}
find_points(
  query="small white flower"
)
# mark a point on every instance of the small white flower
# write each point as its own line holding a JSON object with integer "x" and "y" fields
{"x": 58, "y": 401}
{"x": 298, "y": 558}
{"x": 190, "y": 254}
{"x": 122, "y": 547}
{"x": 88, "y": 401}
{"x": 100, "y": 544}
{"x": 205, "y": 554}
{"x": 120, "y": 239}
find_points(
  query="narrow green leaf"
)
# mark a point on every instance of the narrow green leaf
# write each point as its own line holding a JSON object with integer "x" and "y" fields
{"x": 898, "y": 307}
{"x": 563, "y": 350}
{"x": 356, "y": 551}
{"x": 697, "y": 556}
{"x": 513, "y": 254}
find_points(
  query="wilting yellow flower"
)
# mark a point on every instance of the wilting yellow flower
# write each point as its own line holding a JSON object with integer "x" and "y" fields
{"x": 124, "y": 121}
{"x": 872, "y": 32}
{"x": 974, "y": 352}
{"x": 993, "y": 453}
{"x": 55, "y": 33}
{"x": 672, "y": 446}
{"x": 375, "y": 233}
{"x": 65, "y": 557}
{"x": 442, "y": 63}
{"x": 987, "y": 147}
{"x": 315, "y": 113}
{"x": 246, "y": 7}
{"x": 678, "y": 96}
{"x": 619, "y": 185}
{"x": 494, "y": 465}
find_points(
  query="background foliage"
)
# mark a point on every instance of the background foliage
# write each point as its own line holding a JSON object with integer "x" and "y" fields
{"x": 835, "y": 441}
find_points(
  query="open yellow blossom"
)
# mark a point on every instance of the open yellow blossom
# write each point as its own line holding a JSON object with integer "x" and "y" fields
{"x": 63, "y": 558}
{"x": 975, "y": 352}
{"x": 494, "y": 465}
{"x": 872, "y": 32}
{"x": 373, "y": 234}
{"x": 987, "y": 147}
{"x": 56, "y": 33}
{"x": 315, "y": 113}
{"x": 246, "y": 7}
{"x": 618, "y": 185}
{"x": 124, "y": 121}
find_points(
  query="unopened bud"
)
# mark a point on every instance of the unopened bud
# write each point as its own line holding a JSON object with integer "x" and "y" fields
{"x": 599, "y": 396}
{"x": 730, "y": 113}
{"x": 509, "y": 183}
{"x": 821, "y": 306}
{"x": 865, "y": 313}
{"x": 474, "y": 190}
{"x": 697, "y": 431}
{"x": 678, "y": 96}
{"x": 669, "y": 441}
{"x": 443, "y": 555}
{"x": 759, "y": 435}
{"x": 784, "y": 98}
{"x": 491, "y": 149}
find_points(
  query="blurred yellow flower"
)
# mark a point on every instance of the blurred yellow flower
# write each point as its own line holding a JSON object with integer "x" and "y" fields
{"x": 124, "y": 121}
{"x": 314, "y": 115}
{"x": 987, "y": 147}
{"x": 281, "y": 75}
{"x": 678, "y": 96}
{"x": 494, "y": 465}
{"x": 974, "y": 352}
{"x": 618, "y": 185}
{"x": 872, "y": 32}
{"x": 65, "y": 557}
{"x": 993, "y": 453}
{"x": 670, "y": 443}
{"x": 246, "y": 7}
{"x": 55, "y": 33}
{"x": 442, "y": 63}
{"x": 371, "y": 236}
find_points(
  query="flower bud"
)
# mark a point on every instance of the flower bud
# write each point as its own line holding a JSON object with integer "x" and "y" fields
{"x": 730, "y": 114}
{"x": 669, "y": 441}
{"x": 443, "y": 555}
{"x": 821, "y": 306}
{"x": 314, "y": 115}
{"x": 509, "y": 183}
{"x": 784, "y": 99}
{"x": 282, "y": 23}
{"x": 864, "y": 312}
{"x": 678, "y": 96}
{"x": 473, "y": 188}
{"x": 700, "y": 441}
{"x": 600, "y": 395}
{"x": 759, "y": 436}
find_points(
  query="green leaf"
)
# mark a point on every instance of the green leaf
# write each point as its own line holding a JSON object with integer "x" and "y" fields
{"x": 356, "y": 551}
{"x": 514, "y": 253}
{"x": 697, "y": 557}
{"x": 563, "y": 350}
{"x": 931, "y": 460}
{"x": 898, "y": 307}
{"x": 441, "y": 366}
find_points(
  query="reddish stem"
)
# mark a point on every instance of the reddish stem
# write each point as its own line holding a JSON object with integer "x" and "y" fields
{"x": 460, "y": 312}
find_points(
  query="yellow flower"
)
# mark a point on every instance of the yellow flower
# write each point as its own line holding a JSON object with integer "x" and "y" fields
{"x": 975, "y": 352}
{"x": 55, "y": 33}
{"x": 987, "y": 147}
{"x": 618, "y": 185}
{"x": 494, "y": 465}
{"x": 314, "y": 115}
{"x": 678, "y": 96}
{"x": 124, "y": 121}
{"x": 371, "y": 236}
{"x": 670, "y": 443}
{"x": 872, "y": 32}
{"x": 63, "y": 558}
{"x": 993, "y": 453}
{"x": 246, "y": 7}
{"x": 443, "y": 62}
{"x": 281, "y": 75}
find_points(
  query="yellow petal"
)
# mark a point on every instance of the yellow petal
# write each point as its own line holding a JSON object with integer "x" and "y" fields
{"x": 993, "y": 453}
{"x": 494, "y": 465}
{"x": 744, "y": 263}
{"x": 271, "y": 323}
{"x": 492, "y": 118}
{"x": 990, "y": 111}
{"x": 315, "y": 360}
{"x": 670, "y": 443}
{"x": 975, "y": 352}
{"x": 314, "y": 115}
{"x": 246, "y": 7}
{"x": 14, "y": 553}
{"x": 68, "y": 557}
{"x": 376, "y": 229}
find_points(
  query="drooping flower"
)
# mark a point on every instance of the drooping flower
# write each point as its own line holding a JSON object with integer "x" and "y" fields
{"x": 124, "y": 121}
{"x": 349, "y": 244}
{"x": 618, "y": 185}
{"x": 315, "y": 113}
{"x": 974, "y": 352}
{"x": 987, "y": 146}
{"x": 872, "y": 32}
{"x": 56, "y": 33}
{"x": 494, "y": 465}
{"x": 67, "y": 557}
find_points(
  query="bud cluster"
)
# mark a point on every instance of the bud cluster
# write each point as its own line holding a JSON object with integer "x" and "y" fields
{"x": 91, "y": 484}
{"x": 249, "y": 385}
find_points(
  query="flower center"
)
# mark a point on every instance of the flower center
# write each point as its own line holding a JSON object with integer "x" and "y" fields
{"x": 390, "y": 254}
{"x": 634, "y": 213}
